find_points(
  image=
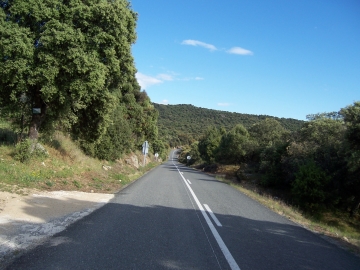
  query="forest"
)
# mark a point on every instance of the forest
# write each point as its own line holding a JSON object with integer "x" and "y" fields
{"x": 318, "y": 165}
{"x": 183, "y": 123}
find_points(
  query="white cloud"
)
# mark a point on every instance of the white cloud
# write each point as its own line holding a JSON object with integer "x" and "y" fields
{"x": 186, "y": 79}
{"x": 165, "y": 77}
{"x": 223, "y": 104}
{"x": 238, "y": 50}
{"x": 164, "y": 102}
{"x": 146, "y": 81}
{"x": 199, "y": 43}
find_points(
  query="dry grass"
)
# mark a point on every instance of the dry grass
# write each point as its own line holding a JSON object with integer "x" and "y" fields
{"x": 66, "y": 168}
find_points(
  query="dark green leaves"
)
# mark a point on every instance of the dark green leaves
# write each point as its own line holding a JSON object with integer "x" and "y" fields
{"x": 70, "y": 58}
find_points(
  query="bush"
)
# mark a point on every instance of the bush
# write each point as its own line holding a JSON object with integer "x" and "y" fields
{"x": 309, "y": 188}
{"x": 271, "y": 164}
{"x": 26, "y": 149}
{"x": 240, "y": 175}
{"x": 211, "y": 168}
{"x": 22, "y": 151}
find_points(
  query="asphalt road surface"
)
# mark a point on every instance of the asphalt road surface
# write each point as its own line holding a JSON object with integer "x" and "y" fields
{"x": 178, "y": 218}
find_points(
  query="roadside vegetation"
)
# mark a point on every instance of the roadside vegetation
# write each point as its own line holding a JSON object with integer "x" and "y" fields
{"x": 71, "y": 109}
{"x": 64, "y": 166}
{"x": 66, "y": 66}
{"x": 334, "y": 224}
{"x": 314, "y": 171}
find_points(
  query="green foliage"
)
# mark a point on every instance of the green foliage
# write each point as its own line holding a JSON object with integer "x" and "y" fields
{"x": 116, "y": 141}
{"x": 287, "y": 160}
{"x": 27, "y": 149}
{"x": 309, "y": 187}
{"x": 193, "y": 152}
{"x": 352, "y": 121}
{"x": 231, "y": 149}
{"x": 77, "y": 184}
{"x": 351, "y": 116}
{"x": 323, "y": 132}
{"x": 71, "y": 59}
{"x": 183, "y": 124}
{"x": 7, "y": 136}
{"x": 320, "y": 140}
{"x": 268, "y": 132}
{"x": 271, "y": 164}
{"x": 329, "y": 115}
{"x": 158, "y": 146}
{"x": 22, "y": 151}
{"x": 252, "y": 150}
{"x": 208, "y": 145}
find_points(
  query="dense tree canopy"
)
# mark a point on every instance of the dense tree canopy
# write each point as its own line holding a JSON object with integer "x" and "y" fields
{"x": 232, "y": 145}
{"x": 183, "y": 124}
{"x": 267, "y": 132}
{"x": 70, "y": 59}
{"x": 351, "y": 116}
{"x": 208, "y": 145}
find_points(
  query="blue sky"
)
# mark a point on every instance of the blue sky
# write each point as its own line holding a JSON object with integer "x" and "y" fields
{"x": 281, "y": 58}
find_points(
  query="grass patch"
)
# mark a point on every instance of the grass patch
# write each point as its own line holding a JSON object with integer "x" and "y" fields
{"x": 122, "y": 178}
{"x": 77, "y": 184}
{"x": 98, "y": 183}
{"x": 66, "y": 167}
{"x": 49, "y": 183}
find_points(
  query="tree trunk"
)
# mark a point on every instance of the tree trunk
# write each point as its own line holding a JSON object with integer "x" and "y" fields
{"x": 355, "y": 206}
{"x": 37, "y": 118}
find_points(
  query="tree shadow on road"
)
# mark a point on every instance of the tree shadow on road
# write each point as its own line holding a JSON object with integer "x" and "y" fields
{"x": 122, "y": 236}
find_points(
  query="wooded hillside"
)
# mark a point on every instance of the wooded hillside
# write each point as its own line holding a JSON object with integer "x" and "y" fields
{"x": 184, "y": 123}
{"x": 67, "y": 66}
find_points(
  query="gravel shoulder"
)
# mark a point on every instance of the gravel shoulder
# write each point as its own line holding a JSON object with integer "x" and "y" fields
{"x": 28, "y": 220}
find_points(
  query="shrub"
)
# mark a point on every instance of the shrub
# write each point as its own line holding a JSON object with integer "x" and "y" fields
{"x": 22, "y": 151}
{"x": 309, "y": 187}
{"x": 240, "y": 175}
{"x": 211, "y": 168}
{"x": 271, "y": 164}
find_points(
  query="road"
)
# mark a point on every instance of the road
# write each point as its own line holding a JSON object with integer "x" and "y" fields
{"x": 177, "y": 218}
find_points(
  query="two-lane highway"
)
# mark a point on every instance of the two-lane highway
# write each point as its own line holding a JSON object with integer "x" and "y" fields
{"x": 178, "y": 218}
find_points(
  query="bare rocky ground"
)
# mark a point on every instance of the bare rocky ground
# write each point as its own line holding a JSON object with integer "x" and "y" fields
{"x": 28, "y": 220}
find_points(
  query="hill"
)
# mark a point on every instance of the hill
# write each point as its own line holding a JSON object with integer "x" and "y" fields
{"x": 184, "y": 123}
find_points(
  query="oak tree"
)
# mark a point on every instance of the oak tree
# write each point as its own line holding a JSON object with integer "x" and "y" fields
{"x": 68, "y": 59}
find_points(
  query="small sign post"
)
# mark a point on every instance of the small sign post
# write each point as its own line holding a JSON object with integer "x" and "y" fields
{"x": 145, "y": 150}
{"x": 188, "y": 159}
{"x": 36, "y": 110}
{"x": 156, "y": 156}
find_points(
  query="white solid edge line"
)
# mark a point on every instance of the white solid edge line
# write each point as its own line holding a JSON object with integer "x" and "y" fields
{"x": 230, "y": 259}
{"x": 212, "y": 215}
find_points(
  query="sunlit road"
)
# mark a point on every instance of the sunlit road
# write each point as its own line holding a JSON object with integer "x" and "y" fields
{"x": 177, "y": 218}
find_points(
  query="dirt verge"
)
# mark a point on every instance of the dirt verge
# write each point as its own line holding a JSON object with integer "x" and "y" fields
{"x": 27, "y": 220}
